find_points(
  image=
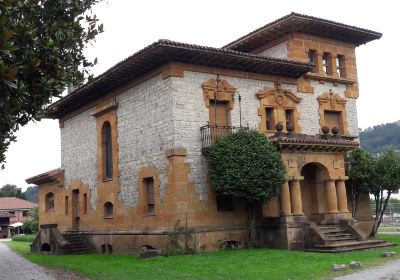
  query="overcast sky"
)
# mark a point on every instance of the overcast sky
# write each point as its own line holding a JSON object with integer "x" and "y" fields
{"x": 130, "y": 26}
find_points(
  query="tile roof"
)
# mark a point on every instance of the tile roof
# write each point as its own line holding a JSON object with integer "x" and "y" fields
{"x": 11, "y": 203}
{"x": 295, "y": 22}
{"x": 4, "y": 214}
{"x": 45, "y": 177}
{"x": 164, "y": 51}
{"x": 313, "y": 142}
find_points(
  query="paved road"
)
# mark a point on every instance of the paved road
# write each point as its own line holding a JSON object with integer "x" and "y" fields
{"x": 389, "y": 271}
{"x": 15, "y": 267}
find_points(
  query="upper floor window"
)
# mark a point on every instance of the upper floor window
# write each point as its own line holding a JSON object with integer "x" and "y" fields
{"x": 49, "y": 201}
{"x": 269, "y": 118}
{"x": 326, "y": 67}
{"x": 340, "y": 66}
{"x": 312, "y": 55}
{"x": 333, "y": 119}
{"x": 149, "y": 188}
{"x": 289, "y": 118}
{"x": 106, "y": 133}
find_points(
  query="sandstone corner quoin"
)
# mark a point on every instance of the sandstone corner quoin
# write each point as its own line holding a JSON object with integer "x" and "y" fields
{"x": 134, "y": 144}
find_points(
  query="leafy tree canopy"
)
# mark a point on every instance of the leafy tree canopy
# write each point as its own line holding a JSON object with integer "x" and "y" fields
{"x": 32, "y": 221}
{"x": 246, "y": 166}
{"x": 9, "y": 190}
{"x": 376, "y": 139}
{"x": 41, "y": 53}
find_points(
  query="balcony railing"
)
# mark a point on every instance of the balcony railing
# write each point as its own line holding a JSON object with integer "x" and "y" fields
{"x": 210, "y": 134}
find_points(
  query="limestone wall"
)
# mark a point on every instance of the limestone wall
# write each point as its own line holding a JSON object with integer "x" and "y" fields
{"x": 278, "y": 51}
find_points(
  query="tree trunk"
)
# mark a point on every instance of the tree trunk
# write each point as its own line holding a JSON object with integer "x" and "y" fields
{"x": 250, "y": 224}
{"x": 381, "y": 204}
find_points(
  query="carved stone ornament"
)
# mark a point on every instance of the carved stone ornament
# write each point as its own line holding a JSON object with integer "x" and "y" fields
{"x": 280, "y": 97}
{"x": 332, "y": 100}
{"x": 223, "y": 92}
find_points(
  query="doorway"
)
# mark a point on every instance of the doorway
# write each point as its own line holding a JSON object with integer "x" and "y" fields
{"x": 75, "y": 210}
{"x": 313, "y": 192}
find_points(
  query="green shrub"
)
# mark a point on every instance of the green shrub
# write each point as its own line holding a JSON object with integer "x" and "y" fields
{"x": 24, "y": 237}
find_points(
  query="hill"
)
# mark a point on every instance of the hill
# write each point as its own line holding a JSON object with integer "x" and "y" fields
{"x": 375, "y": 139}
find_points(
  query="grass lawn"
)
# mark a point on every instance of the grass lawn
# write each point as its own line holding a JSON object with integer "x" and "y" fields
{"x": 388, "y": 229}
{"x": 236, "y": 264}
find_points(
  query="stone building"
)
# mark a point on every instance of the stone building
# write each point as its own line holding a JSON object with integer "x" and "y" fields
{"x": 134, "y": 142}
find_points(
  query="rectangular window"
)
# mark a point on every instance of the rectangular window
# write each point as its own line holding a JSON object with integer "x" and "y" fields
{"x": 312, "y": 55}
{"x": 269, "y": 118}
{"x": 11, "y": 212}
{"x": 66, "y": 205}
{"x": 340, "y": 66}
{"x": 149, "y": 187}
{"x": 333, "y": 119}
{"x": 326, "y": 63}
{"x": 25, "y": 213}
{"x": 224, "y": 203}
{"x": 289, "y": 116}
{"x": 85, "y": 203}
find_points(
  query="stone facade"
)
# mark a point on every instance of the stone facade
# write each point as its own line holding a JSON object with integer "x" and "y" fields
{"x": 156, "y": 122}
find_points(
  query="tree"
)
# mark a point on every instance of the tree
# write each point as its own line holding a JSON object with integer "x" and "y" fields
{"x": 359, "y": 168}
{"x": 9, "y": 190}
{"x": 32, "y": 221}
{"x": 41, "y": 53}
{"x": 385, "y": 181}
{"x": 247, "y": 167}
{"x": 31, "y": 194}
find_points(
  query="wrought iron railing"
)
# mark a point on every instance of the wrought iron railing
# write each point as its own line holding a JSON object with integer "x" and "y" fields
{"x": 210, "y": 134}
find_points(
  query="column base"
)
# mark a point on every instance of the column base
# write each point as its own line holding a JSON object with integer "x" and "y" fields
{"x": 293, "y": 220}
{"x": 335, "y": 218}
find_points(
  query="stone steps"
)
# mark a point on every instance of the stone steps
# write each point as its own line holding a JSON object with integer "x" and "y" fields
{"x": 337, "y": 239}
{"x": 77, "y": 244}
{"x": 351, "y": 246}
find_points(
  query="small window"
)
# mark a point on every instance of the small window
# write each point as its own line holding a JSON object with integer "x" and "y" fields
{"x": 340, "y": 66}
{"x": 289, "y": 116}
{"x": 85, "y": 203}
{"x": 106, "y": 134}
{"x": 66, "y": 204}
{"x": 108, "y": 210}
{"x": 149, "y": 188}
{"x": 326, "y": 63}
{"x": 333, "y": 119}
{"x": 224, "y": 203}
{"x": 312, "y": 55}
{"x": 25, "y": 213}
{"x": 11, "y": 212}
{"x": 269, "y": 118}
{"x": 49, "y": 201}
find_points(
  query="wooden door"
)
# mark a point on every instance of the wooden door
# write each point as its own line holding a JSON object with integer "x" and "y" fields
{"x": 75, "y": 210}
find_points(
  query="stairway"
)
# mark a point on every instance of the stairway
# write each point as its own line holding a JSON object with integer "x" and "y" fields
{"x": 78, "y": 244}
{"x": 336, "y": 239}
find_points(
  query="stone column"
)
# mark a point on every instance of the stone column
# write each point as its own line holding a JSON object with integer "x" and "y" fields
{"x": 331, "y": 196}
{"x": 341, "y": 196}
{"x": 285, "y": 199}
{"x": 295, "y": 197}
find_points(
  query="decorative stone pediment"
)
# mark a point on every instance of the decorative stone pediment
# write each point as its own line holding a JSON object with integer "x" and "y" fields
{"x": 279, "y": 97}
{"x": 332, "y": 100}
{"x": 223, "y": 91}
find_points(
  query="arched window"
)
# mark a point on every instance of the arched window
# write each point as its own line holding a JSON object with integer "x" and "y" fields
{"x": 49, "y": 201}
{"x": 107, "y": 151}
{"x": 108, "y": 210}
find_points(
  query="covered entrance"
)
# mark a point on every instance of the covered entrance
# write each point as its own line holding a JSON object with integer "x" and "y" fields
{"x": 312, "y": 191}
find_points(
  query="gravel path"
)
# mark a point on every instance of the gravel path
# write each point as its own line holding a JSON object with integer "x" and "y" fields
{"x": 15, "y": 267}
{"x": 389, "y": 271}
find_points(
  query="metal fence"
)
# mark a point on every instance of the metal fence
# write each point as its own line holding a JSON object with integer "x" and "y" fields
{"x": 391, "y": 217}
{"x": 210, "y": 134}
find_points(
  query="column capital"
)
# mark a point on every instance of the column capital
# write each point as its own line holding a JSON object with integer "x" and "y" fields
{"x": 343, "y": 178}
{"x": 297, "y": 178}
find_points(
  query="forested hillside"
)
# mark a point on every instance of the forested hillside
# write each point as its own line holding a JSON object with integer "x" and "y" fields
{"x": 375, "y": 139}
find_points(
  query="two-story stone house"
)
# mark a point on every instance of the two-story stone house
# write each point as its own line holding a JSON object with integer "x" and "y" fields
{"x": 134, "y": 141}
